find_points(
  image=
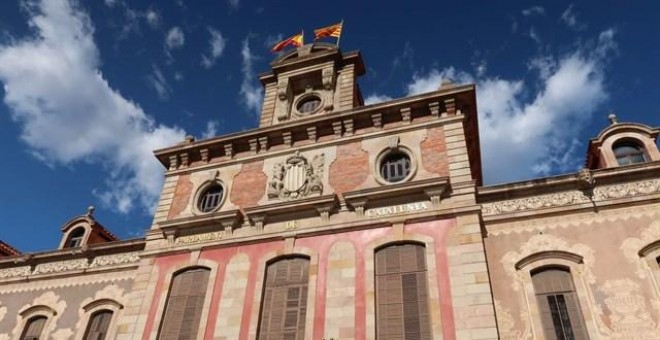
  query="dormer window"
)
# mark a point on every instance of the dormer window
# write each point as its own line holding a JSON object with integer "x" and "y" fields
{"x": 75, "y": 238}
{"x": 629, "y": 153}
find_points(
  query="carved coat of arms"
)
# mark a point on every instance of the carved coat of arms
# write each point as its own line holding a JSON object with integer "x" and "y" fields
{"x": 297, "y": 178}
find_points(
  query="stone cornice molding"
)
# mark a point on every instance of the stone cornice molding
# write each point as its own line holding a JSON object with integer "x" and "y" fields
{"x": 222, "y": 220}
{"x": 573, "y": 199}
{"x": 320, "y": 206}
{"x": 19, "y": 286}
{"x": 428, "y": 105}
{"x": 434, "y": 189}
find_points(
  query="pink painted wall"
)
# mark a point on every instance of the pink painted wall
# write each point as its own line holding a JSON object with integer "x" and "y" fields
{"x": 360, "y": 239}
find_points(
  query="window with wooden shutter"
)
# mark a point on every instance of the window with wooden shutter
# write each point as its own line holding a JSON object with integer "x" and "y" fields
{"x": 402, "y": 310}
{"x": 33, "y": 328}
{"x": 284, "y": 301}
{"x": 558, "y": 305}
{"x": 183, "y": 309}
{"x": 98, "y": 325}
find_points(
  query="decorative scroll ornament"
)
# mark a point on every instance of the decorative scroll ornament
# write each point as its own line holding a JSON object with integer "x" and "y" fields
{"x": 297, "y": 178}
{"x": 631, "y": 247}
{"x": 15, "y": 272}
{"x": 573, "y": 197}
{"x": 630, "y": 320}
{"x": 109, "y": 260}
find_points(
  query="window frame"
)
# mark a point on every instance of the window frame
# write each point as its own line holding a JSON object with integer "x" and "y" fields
{"x": 265, "y": 287}
{"x": 304, "y": 97}
{"x": 388, "y": 152}
{"x": 401, "y": 274}
{"x": 87, "y": 310}
{"x": 572, "y": 321}
{"x": 160, "y": 299}
{"x": 32, "y": 312}
{"x": 632, "y": 143}
{"x": 201, "y": 192}
{"x": 574, "y": 263}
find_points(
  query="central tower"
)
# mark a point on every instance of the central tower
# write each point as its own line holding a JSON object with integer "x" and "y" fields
{"x": 312, "y": 80}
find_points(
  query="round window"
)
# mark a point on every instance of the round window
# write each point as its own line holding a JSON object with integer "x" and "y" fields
{"x": 211, "y": 198}
{"x": 395, "y": 167}
{"x": 309, "y": 104}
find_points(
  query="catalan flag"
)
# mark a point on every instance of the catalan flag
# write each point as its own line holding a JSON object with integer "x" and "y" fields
{"x": 296, "y": 40}
{"x": 329, "y": 31}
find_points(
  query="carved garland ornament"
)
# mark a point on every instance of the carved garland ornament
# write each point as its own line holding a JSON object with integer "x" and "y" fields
{"x": 297, "y": 178}
{"x": 629, "y": 318}
{"x": 632, "y": 246}
{"x": 573, "y": 197}
{"x": 71, "y": 265}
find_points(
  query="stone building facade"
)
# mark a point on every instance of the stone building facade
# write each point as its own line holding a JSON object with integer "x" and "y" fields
{"x": 336, "y": 220}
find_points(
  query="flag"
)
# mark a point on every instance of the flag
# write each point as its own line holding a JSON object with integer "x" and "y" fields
{"x": 329, "y": 31}
{"x": 296, "y": 40}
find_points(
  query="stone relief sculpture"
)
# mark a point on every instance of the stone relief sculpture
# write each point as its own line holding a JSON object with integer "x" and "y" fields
{"x": 629, "y": 318}
{"x": 632, "y": 246}
{"x": 297, "y": 178}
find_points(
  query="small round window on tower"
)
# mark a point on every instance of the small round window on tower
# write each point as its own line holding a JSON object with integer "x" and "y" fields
{"x": 309, "y": 104}
{"x": 211, "y": 198}
{"x": 395, "y": 167}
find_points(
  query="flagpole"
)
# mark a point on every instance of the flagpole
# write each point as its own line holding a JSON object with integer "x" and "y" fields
{"x": 342, "y": 31}
{"x": 303, "y": 38}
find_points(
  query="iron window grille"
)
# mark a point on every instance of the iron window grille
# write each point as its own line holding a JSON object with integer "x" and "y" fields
{"x": 395, "y": 167}
{"x": 211, "y": 198}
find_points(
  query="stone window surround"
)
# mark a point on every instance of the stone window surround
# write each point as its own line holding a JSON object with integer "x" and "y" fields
{"x": 562, "y": 259}
{"x": 431, "y": 276}
{"x": 193, "y": 262}
{"x": 273, "y": 256}
{"x": 201, "y": 189}
{"x": 96, "y": 306}
{"x": 644, "y": 142}
{"x": 388, "y": 151}
{"x": 83, "y": 241}
{"x": 304, "y": 96}
{"x": 31, "y": 312}
{"x": 650, "y": 254}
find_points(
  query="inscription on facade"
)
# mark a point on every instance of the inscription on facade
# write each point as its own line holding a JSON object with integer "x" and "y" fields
{"x": 397, "y": 209}
{"x": 216, "y": 235}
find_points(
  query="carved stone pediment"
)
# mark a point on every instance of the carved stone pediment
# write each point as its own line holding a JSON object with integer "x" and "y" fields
{"x": 297, "y": 177}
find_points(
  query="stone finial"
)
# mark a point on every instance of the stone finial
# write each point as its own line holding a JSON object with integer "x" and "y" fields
{"x": 446, "y": 83}
{"x": 612, "y": 118}
{"x": 189, "y": 139}
{"x": 90, "y": 211}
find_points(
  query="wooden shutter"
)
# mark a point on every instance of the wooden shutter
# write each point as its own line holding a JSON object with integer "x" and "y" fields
{"x": 558, "y": 305}
{"x": 183, "y": 310}
{"x": 402, "y": 310}
{"x": 97, "y": 329}
{"x": 284, "y": 303}
{"x": 33, "y": 328}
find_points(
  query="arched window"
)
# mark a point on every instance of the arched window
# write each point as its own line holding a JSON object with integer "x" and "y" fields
{"x": 629, "y": 153}
{"x": 99, "y": 323}
{"x": 402, "y": 310}
{"x": 284, "y": 301}
{"x": 558, "y": 304}
{"x": 75, "y": 238}
{"x": 33, "y": 328}
{"x": 183, "y": 309}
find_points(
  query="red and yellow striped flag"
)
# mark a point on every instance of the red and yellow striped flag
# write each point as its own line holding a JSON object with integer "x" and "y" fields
{"x": 296, "y": 40}
{"x": 329, "y": 31}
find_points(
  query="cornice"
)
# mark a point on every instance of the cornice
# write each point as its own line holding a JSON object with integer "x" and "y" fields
{"x": 441, "y": 104}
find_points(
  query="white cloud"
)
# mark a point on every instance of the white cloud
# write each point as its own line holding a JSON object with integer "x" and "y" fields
{"x": 110, "y": 3}
{"x": 569, "y": 17}
{"x": 175, "y": 38}
{"x": 211, "y": 129}
{"x": 68, "y": 113}
{"x": 217, "y": 45}
{"x": 534, "y": 35}
{"x": 524, "y": 131}
{"x": 376, "y": 98}
{"x": 153, "y": 18}
{"x": 252, "y": 94}
{"x": 538, "y": 10}
{"x": 159, "y": 83}
{"x": 233, "y": 3}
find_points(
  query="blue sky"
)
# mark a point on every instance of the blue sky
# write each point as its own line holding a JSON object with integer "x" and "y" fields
{"x": 89, "y": 88}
